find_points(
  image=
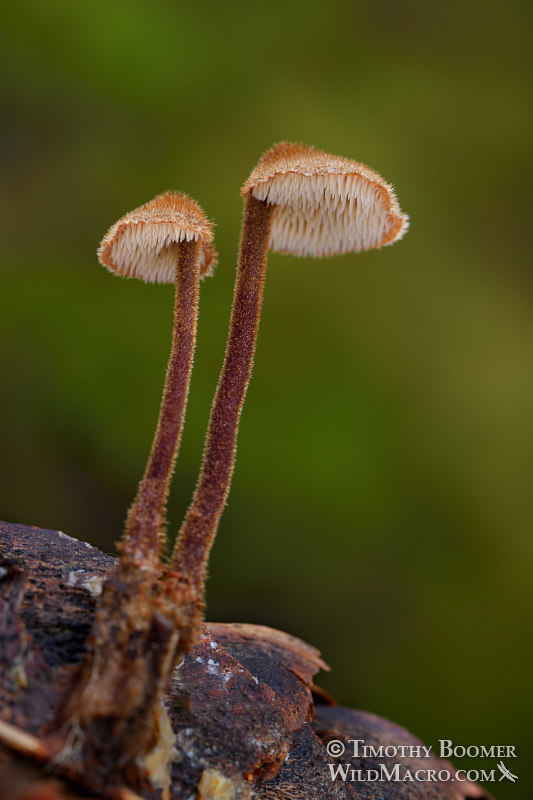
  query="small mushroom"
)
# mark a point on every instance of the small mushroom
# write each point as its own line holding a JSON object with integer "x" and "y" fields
{"x": 297, "y": 200}
{"x": 134, "y": 638}
{"x": 164, "y": 241}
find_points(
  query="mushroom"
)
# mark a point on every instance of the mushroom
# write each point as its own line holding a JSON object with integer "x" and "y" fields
{"x": 164, "y": 241}
{"x": 107, "y": 727}
{"x": 136, "y": 634}
{"x": 297, "y": 200}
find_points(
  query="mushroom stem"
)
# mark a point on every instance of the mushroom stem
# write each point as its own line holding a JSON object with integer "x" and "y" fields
{"x": 144, "y": 532}
{"x": 200, "y": 525}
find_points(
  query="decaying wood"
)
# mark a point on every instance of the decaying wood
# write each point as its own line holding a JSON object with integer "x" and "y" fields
{"x": 240, "y": 704}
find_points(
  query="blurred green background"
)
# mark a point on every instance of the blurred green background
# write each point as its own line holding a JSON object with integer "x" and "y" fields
{"x": 381, "y": 507}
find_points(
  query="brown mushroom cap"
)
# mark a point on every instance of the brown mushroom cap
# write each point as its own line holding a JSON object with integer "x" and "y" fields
{"x": 140, "y": 245}
{"x": 324, "y": 205}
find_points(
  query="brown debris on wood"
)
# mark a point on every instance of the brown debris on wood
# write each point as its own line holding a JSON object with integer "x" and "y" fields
{"x": 297, "y": 656}
{"x": 237, "y": 699}
{"x": 305, "y": 774}
{"x": 48, "y": 586}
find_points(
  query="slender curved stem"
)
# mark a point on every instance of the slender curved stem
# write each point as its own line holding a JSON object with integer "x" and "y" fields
{"x": 200, "y": 525}
{"x": 144, "y": 533}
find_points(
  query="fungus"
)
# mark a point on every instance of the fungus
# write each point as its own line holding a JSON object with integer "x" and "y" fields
{"x": 136, "y": 633}
{"x": 98, "y": 714}
{"x": 297, "y": 200}
{"x": 164, "y": 241}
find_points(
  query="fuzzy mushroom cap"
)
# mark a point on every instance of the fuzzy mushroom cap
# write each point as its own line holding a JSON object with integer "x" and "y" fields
{"x": 324, "y": 205}
{"x": 141, "y": 244}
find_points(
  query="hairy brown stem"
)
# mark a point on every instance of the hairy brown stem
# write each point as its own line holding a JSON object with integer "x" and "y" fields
{"x": 200, "y": 525}
{"x": 143, "y": 536}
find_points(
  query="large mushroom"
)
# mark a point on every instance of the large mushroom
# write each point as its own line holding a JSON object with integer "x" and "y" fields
{"x": 167, "y": 240}
{"x": 297, "y": 200}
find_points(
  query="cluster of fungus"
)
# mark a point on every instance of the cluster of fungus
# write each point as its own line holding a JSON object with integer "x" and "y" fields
{"x": 146, "y": 700}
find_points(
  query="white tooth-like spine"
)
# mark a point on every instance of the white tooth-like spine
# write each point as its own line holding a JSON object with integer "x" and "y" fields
{"x": 145, "y": 249}
{"x": 324, "y": 204}
{"x": 324, "y": 214}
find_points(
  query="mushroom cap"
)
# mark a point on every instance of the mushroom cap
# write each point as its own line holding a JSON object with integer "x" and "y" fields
{"x": 140, "y": 244}
{"x": 324, "y": 205}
